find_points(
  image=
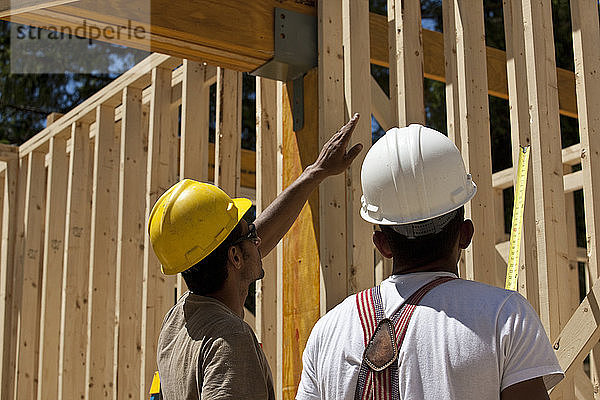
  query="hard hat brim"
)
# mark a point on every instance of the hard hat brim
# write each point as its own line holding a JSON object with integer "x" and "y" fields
{"x": 242, "y": 205}
{"x": 402, "y": 221}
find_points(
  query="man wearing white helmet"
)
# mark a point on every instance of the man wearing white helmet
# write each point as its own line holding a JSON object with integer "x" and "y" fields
{"x": 423, "y": 333}
{"x": 205, "y": 349}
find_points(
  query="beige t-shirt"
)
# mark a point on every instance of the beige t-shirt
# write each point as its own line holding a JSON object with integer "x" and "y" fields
{"x": 205, "y": 351}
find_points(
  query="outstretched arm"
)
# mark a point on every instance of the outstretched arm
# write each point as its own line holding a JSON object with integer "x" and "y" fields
{"x": 279, "y": 216}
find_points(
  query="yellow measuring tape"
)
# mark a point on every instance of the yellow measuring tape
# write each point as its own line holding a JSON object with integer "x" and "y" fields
{"x": 512, "y": 270}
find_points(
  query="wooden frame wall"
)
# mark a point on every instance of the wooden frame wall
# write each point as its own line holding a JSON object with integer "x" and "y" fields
{"x": 120, "y": 150}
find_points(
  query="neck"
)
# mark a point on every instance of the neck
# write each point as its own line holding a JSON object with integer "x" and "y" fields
{"x": 233, "y": 296}
{"x": 442, "y": 265}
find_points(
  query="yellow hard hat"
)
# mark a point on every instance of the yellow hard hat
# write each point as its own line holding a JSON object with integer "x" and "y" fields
{"x": 189, "y": 221}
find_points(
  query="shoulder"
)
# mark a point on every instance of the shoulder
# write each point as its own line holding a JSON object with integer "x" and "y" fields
{"x": 207, "y": 318}
{"x": 480, "y": 294}
{"x": 343, "y": 316}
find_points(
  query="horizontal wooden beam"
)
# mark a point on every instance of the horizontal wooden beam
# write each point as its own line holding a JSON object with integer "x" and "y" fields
{"x": 13, "y": 7}
{"x": 239, "y": 35}
{"x": 570, "y": 156}
{"x": 434, "y": 67}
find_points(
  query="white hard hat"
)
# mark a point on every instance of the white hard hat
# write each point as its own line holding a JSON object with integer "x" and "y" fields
{"x": 413, "y": 174}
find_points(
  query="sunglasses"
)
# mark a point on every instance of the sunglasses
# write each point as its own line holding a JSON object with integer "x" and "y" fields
{"x": 251, "y": 235}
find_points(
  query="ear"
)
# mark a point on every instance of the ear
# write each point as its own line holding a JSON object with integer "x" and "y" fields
{"x": 380, "y": 241}
{"x": 234, "y": 256}
{"x": 465, "y": 234}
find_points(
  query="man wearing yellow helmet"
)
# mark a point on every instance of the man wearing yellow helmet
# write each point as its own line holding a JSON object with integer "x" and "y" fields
{"x": 205, "y": 349}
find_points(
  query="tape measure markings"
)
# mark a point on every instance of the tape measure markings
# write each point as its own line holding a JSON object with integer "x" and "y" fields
{"x": 512, "y": 270}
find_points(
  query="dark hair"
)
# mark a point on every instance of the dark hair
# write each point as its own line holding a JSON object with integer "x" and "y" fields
{"x": 209, "y": 275}
{"x": 422, "y": 250}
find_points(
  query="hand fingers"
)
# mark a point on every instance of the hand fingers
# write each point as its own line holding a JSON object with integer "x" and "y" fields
{"x": 353, "y": 152}
{"x": 346, "y": 130}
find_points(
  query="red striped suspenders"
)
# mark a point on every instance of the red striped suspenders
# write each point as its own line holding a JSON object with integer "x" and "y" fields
{"x": 384, "y": 384}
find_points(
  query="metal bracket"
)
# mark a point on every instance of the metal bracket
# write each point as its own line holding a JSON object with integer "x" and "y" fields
{"x": 295, "y": 54}
{"x": 298, "y": 103}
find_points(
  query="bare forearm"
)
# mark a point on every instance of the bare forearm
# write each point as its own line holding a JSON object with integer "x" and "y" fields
{"x": 279, "y": 216}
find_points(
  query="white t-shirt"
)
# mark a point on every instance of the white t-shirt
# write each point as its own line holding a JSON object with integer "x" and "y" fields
{"x": 466, "y": 340}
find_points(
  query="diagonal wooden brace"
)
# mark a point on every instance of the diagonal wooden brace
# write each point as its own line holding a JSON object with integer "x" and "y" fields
{"x": 581, "y": 333}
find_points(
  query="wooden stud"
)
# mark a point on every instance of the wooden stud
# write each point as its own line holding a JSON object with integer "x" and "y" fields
{"x": 193, "y": 160}
{"x": 7, "y": 273}
{"x": 266, "y": 179}
{"x": 228, "y": 135}
{"x": 282, "y": 120}
{"x": 74, "y": 316}
{"x": 453, "y": 118}
{"x": 158, "y": 289}
{"x": 130, "y": 246}
{"x": 586, "y": 32}
{"x": 474, "y": 135}
{"x": 194, "y": 123}
{"x": 332, "y": 194}
{"x": 29, "y": 278}
{"x": 300, "y": 276}
{"x": 357, "y": 92}
{"x": 52, "y": 269}
{"x": 546, "y": 161}
{"x": 406, "y": 61}
{"x": 101, "y": 298}
{"x": 451, "y": 73}
{"x": 10, "y": 369}
{"x": 520, "y": 136}
{"x": 569, "y": 289}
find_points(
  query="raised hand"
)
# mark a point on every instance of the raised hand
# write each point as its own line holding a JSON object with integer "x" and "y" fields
{"x": 333, "y": 158}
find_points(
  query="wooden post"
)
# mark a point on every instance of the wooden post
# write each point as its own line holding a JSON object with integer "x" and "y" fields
{"x": 520, "y": 136}
{"x": 52, "y": 269}
{"x": 586, "y": 32}
{"x": 193, "y": 160}
{"x": 546, "y": 161}
{"x": 29, "y": 278}
{"x": 282, "y": 117}
{"x": 74, "y": 317}
{"x": 7, "y": 273}
{"x": 300, "y": 276}
{"x": 474, "y": 134}
{"x": 101, "y": 300}
{"x": 451, "y": 73}
{"x": 266, "y": 191}
{"x": 130, "y": 246}
{"x": 406, "y": 61}
{"x": 228, "y": 135}
{"x": 453, "y": 119}
{"x": 332, "y": 194}
{"x": 158, "y": 291}
{"x": 357, "y": 91}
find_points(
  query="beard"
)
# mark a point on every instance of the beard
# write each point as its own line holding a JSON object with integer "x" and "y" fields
{"x": 250, "y": 272}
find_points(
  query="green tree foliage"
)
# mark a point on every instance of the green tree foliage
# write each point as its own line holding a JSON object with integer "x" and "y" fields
{"x": 26, "y": 99}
